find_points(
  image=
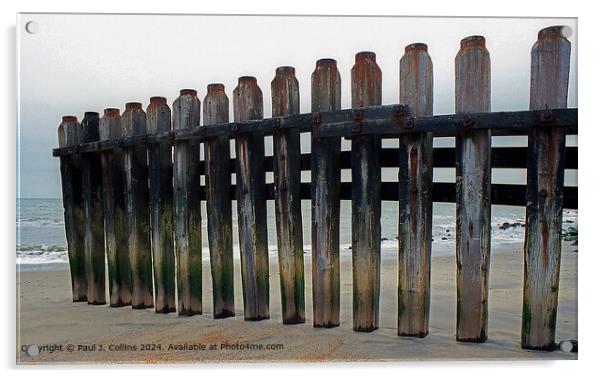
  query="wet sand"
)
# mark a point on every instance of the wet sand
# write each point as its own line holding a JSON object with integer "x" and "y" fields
{"x": 100, "y": 334}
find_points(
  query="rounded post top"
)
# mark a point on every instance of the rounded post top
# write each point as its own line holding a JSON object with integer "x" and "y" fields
{"x": 416, "y": 46}
{"x": 188, "y": 92}
{"x": 555, "y": 31}
{"x": 365, "y": 55}
{"x": 215, "y": 88}
{"x": 91, "y": 115}
{"x": 158, "y": 100}
{"x": 473, "y": 41}
{"x": 247, "y": 80}
{"x": 111, "y": 112}
{"x": 326, "y": 62}
{"x": 285, "y": 70}
{"x": 133, "y": 106}
{"x": 69, "y": 119}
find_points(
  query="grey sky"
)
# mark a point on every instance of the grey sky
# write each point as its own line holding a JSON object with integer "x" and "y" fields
{"x": 77, "y": 63}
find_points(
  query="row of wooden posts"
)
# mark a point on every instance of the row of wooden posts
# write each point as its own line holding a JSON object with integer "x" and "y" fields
{"x": 141, "y": 204}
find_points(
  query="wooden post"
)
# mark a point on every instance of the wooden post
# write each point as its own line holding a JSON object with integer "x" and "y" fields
{"x": 325, "y": 203}
{"x": 473, "y": 187}
{"x": 160, "y": 174}
{"x": 187, "y": 205}
{"x": 113, "y": 196}
{"x": 550, "y": 61}
{"x": 219, "y": 205}
{"x": 366, "y": 90}
{"x": 71, "y": 181}
{"x": 133, "y": 122}
{"x": 415, "y": 196}
{"x": 287, "y": 191}
{"x": 94, "y": 242}
{"x": 250, "y": 196}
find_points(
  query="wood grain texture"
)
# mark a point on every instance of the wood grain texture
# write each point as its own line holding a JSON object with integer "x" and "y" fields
{"x": 160, "y": 174}
{"x": 384, "y": 120}
{"x": 366, "y": 90}
{"x": 415, "y": 196}
{"x": 187, "y": 205}
{"x": 133, "y": 122}
{"x": 116, "y": 233}
{"x": 250, "y": 196}
{"x": 219, "y": 204}
{"x": 71, "y": 185}
{"x": 473, "y": 192}
{"x": 550, "y": 65}
{"x": 325, "y": 202}
{"x": 287, "y": 190}
{"x": 94, "y": 241}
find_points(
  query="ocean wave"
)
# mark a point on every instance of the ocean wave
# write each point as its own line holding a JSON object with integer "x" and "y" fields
{"x": 40, "y": 221}
{"x": 41, "y": 254}
{"x": 443, "y": 238}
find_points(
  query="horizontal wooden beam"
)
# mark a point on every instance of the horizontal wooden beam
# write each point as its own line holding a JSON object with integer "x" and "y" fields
{"x": 501, "y": 194}
{"x": 389, "y": 121}
{"x": 443, "y": 157}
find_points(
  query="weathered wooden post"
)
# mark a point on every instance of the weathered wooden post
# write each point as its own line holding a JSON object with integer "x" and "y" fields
{"x": 473, "y": 187}
{"x": 550, "y": 61}
{"x": 219, "y": 205}
{"x": 113, "y": 196}
{"x": 366, "y": 90}
{"x": 71, "y": 182}
{"x": 250, "y": 196}
{"x": 415, "y": 195}
{"x": 287, "y": 190}
{"x": 133, "y": 122}
{"x": 187, "y": 205}
{"x": 160, "y": 174}
{"x": 94, "y": 241}
{"x": 325, "y": 203}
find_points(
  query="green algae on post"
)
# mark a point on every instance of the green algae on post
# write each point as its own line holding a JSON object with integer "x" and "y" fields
{"x": 187, "y": 205}
{"x": 250, "y": 198}
{"x": 219, "y": 204}
{"x": 160, "y": 175}
{"x": 133, "y": 122}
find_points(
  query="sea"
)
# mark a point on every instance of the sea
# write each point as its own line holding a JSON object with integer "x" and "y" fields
{"x": 41, "y": 242}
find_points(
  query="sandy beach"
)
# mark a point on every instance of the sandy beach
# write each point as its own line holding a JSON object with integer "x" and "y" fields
{"x": 81, "y": 333}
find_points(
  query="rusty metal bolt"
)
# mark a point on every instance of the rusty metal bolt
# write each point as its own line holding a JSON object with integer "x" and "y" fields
{"x": 468, "y": 122}
{"x": 358, "y": 116}
{"x": 546, "y": 116}
{"x": 398, "y": 111}
{"x": 316, "y": 118}
{"x": 277, "y": 123}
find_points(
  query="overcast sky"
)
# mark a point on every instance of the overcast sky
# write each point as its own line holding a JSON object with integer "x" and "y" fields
{"x": 78, "y": 63}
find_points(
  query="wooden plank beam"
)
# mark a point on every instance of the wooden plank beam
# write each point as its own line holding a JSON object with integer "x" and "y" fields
{"x": 94, "y": 241}
{"x": 219, "y": 205}
{"x": 287, "y": 183}
{"x": 381, "y": 120}
{"x": 550, "y": 65}
{"x": 133, "y": 122}
{"x": 71, "y": 181}
{"x": 415, "y": 196}
{"x": 250, "y": 197}
{"x": 160, "y": 175}
{"x": 116, "y": 233}
{"x": 187, "y": 205}
{"x": 366, "y": 90}
{"x": 473, "y": 188}
{"x": 325, "y": 205}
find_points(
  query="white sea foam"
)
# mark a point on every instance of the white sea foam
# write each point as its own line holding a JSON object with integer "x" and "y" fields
{"x": 41, "y": 233}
